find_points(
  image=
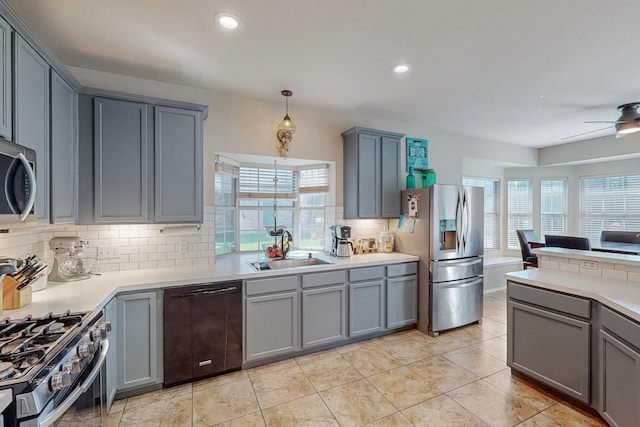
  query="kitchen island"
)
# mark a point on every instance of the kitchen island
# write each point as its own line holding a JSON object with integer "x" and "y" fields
{"x": 574, "y": 325}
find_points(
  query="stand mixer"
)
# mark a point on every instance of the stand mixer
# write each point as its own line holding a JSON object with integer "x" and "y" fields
{"x": 70, "y": 263}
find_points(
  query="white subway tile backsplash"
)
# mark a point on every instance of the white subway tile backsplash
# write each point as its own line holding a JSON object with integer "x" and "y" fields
{"x": 167, "y": 263}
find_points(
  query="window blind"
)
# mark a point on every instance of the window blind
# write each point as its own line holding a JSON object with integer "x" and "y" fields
{"x": 257, "y": 182}
{"x": 491, "y": 209}
{"x": 609, "y": 203}
{"x": 519, "y": 212}
{"x": 315, "y": 180}
{"x": 553, "y": 206}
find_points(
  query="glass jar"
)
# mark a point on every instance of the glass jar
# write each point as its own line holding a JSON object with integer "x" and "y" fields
{"x": 385, "y": 241}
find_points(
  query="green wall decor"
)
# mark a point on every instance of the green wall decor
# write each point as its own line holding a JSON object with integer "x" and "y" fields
{"x": 417, "y": 154}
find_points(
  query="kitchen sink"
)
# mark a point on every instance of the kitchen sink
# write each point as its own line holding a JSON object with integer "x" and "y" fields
{"x": 281, "y": 264}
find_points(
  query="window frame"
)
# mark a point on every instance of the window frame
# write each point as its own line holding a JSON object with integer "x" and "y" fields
{"x": 489, "y": 216}
{"x": 525, "y": 218}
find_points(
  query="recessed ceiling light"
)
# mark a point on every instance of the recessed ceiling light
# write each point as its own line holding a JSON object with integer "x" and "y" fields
{"x": 401, "y": 68}
{"x": 228, "y": 21}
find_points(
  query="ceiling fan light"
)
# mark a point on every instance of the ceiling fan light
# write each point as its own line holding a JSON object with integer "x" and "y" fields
{"x": 627, "y": 128}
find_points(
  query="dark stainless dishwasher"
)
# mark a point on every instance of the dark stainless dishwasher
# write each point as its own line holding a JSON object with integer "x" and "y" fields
{"x": 202, "y": 331}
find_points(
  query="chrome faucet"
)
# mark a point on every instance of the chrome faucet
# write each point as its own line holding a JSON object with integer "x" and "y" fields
{"x": 287, "y": 239}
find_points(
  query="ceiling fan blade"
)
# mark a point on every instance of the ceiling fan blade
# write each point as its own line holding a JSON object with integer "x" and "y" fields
{"x": 603, "y": 121}
{"x": 585, "y": 133}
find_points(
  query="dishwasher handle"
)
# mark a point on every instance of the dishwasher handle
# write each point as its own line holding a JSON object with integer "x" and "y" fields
{"x": 206, "y": 291}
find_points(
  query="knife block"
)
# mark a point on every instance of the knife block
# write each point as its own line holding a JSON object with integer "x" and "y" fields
{"x": 12, "y": 297}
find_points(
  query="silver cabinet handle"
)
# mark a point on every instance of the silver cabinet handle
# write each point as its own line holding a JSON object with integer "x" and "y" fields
{"x": 32, "y": 180}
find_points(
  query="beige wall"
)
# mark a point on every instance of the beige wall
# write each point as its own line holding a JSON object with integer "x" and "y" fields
{"x": 244, "y": 125}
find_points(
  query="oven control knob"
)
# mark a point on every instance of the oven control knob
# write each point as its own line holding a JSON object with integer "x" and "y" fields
{"x": 98, "y": 334}
{"x": 105, "y": 325}
{"x": 86, "y": 349}
{"x": 60, "y": 380}
{"x": 71, "y": 366}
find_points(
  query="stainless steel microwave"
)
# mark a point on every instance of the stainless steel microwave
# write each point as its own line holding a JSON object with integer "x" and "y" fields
{"x": 18, "y": 186}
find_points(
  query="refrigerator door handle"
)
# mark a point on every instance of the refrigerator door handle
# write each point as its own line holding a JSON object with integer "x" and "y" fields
{"x": 459, "y": 242}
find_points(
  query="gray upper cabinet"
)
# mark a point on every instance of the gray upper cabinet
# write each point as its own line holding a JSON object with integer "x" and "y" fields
{"x": 6, "y": 89}
{"x": 371, "y": 176}
{"x": 64, "y": 150}
{"x": 178, "y": 165}
{"x": 31, "y": 114}
{"x": 121, "y": 169}
{"x": 143, "y": 162}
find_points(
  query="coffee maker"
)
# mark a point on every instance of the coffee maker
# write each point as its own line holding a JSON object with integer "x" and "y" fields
{"x": 340, "y": 244}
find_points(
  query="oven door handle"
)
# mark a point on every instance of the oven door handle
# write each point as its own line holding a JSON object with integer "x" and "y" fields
{"x": 71, "y": 399}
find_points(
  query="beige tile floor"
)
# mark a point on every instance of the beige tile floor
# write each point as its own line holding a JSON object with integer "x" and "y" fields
{"x": 404, "y": 379}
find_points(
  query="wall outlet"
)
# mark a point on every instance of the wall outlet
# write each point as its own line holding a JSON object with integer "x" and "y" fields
{"x": 183, "y": 247}
{"x": 108, "y": 252}
{"x": 591, "y": 265}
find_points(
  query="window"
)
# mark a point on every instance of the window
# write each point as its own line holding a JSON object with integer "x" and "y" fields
{"x": 518, "y": 210}
{"x": 299, "y": 200}
{"x": 553, "y": 206}
{"x": 609, "y": 203}
{"x": 225, "y": 183}
{"x": 491, "y": 209}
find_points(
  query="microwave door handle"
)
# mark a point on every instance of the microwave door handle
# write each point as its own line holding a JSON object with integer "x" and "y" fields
{"x": 32, "y": 181}
{"x": 71, "y": 399}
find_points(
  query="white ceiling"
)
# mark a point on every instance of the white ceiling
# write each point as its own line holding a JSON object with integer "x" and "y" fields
{"x": 523, "y": 72}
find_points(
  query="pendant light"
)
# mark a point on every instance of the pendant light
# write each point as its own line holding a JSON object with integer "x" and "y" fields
{"x": 286, "y": 128}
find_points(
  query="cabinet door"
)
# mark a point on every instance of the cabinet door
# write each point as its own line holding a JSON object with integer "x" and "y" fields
{"x": 111, "y": 383}
{"x": 31, "y": 117}
{"x": 390, "y": 178}
{"x": 178, "y": 165}
{"x": 619, "y": 381}
{"x": 121, "y": 170}
{"x": 534, "y": 334}
{"x": 6, "y": 90}
{"x": 139, "y": 342}
{"x": 366, "y": 307}
{"x": 402, "y": 301}
{"x": 368, "y": 176}
{"x": 324, "y": 316}
{"x": 64, "y": 150}
{"x": 271, "y": 326}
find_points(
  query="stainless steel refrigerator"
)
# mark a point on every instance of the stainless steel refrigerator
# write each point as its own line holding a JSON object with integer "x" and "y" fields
{"x": 448, "y": 236}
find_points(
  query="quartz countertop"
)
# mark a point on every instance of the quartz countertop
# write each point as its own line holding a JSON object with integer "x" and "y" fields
{"x": 590, "y": 255}
{"x": 93, "y": 293}
{"x": 620, "y": 295}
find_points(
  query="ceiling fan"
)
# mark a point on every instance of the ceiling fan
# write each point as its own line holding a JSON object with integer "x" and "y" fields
{"x": 628, "y": 122}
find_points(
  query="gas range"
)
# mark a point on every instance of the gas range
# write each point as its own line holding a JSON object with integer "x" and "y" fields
{"x": 43, "y": 359}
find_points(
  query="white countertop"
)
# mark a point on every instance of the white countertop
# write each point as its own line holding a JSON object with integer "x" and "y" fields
{"x": 93, "y": 293}
{"x": 621, "y": 295}
{"x": 590, "y": 255}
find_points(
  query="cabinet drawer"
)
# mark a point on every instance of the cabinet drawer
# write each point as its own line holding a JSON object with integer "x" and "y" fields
{"x": 366, "y": 273}
{"x": 276, "y": 284}
{"x": 619, "y": 325}
{"x": 402, "y": 269}
{"x": 321, "y": 279}
{"x": 564, "y": 303}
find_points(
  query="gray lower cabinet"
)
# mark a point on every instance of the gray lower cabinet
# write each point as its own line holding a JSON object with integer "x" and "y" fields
{"x": 6, "y": 89}
{"x": 121, "y": 169}
{"x": 139, "y": 340}
{"x": 64, "y": 150}
{"x": 31, "y": 114}
{"x": 111, "y": 368}
{"x": 178, "y": 165}
{"x": 619, "y": 368}
{"x": 371, "y": 160}
{"x": 324, "y": 311}
{"x": 542, "y": 323}
{"x": 402, "y": 301}
{"x": 367, "y": 302}
{"x": 271, "y": 325}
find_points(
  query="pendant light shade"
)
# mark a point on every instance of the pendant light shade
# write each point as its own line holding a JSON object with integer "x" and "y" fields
{"x": 286, "y": 128}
